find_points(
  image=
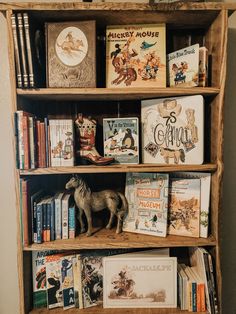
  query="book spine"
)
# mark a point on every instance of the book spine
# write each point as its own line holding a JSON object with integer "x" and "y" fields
{"x": 46, "y": 142}
{"x": 52, "y": 225}
{"x": 16, "y": 140}
{"x": 34, "y": 223}
{"x": 64, "y": 219}
{"x": 26, "y": 140}
{"x": 39, "y": 153}
{"x": 202, "y": 296}
{"x": 39, "y": 222}
{"x": 209, "y": 285}
{"x": 198, "y": 298}
{"x": 44, "y": 222}
{"x": 22, "y": 46}
{"x": 194, "y": 297}
{"x": 28, "y": 49}
{"x": 43, "y": 144}
{"x": 20, "y": 139}
{"x": 21, "y": 213}
{"x": 16, "y": 51}
{"x": 58, "y": 218}
{"x": 213, "y": 283}
{"x": 31, "y": 142}
{"x": 71, "y": 219}
{"x": 48, "y": 228}
{"x": 25, "y": 215}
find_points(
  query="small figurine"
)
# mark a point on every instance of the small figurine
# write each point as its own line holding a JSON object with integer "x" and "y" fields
{"x": 88, "y": 202}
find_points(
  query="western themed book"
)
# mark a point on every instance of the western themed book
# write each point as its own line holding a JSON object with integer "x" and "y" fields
{"x": 183, "y": 67}
{"x": 121, "y": 139}
{"x": 184, "y": 207}
{"x": 71, "y": 54}
{"x": 67, "y": 280}
{"x": 140, "y": 282}
{"x": 173, "y": 130}
{"x": 136, "y": 55}
{"x": 147, "y": 196}
{"x": 203, "y": 67}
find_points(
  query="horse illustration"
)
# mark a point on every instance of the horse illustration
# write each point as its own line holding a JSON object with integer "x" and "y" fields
{"x": 124, "y": 286}
{"x": 71, "y": 44}
{"x": 88, "y": 202}
{"x": 168, "y": 153}
{"x": 126, "y": 74}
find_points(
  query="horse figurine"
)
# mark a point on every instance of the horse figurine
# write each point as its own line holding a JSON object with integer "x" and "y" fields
{"x": 88, "y": 202}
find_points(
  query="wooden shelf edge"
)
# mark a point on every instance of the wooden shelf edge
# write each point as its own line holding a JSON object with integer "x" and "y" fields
{"x": 119, "y": 169}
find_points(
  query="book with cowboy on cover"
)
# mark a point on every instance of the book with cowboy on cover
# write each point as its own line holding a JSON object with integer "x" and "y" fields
{"x": 136, "y": 55}
{"x": 173, "y": 130}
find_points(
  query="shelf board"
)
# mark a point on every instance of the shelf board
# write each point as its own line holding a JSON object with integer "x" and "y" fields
{"x": 112, "y": 93}
{"x": 119, "y": 169}
{"x": 108, "y": 239}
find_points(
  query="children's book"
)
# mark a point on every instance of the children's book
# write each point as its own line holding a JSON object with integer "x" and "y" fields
{"x": 184, "y": 207}
{"x": 183, "y": 67}
{"x": 203, "y": 67}
{"x": 77, "y": 281}
{"x": 67, "y": 280}
{"x": 121, "y": 139}
{"x": 140, "y": 282}
{"x": 136, "y": 55}
{"x": 147, "y": 196}
{"x": 173, "y": 130}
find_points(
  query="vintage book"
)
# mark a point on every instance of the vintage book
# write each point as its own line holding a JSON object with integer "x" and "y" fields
{"x": 203, "y": 67}
{"x": 16, "y": 51}
{"x": 77, "y": 281}
{"x": 184, "y": 285}
{"x": 39, "y": 278}
{"x": 183, "y": 67}
{"x": 147, "y": 196}
{"x": 184, "y": 207}
{"x": 32, "y": 142}
{"x": 58, "y": 215}
{"x": 71, "y": 54}
{"x": 39, "y": 221}
{"x": 34, "y": 199}
{"x": 205, "y": 179}
{"x": 173, "y": 130}
{"x": 22, "y": 50}
{"x": 28, "y": 50}
{"x": 65, "y": 203}
{"x": 71, "y": 221}
{"x": 136, "y": 55}
{"x": 67, "y": 280}
{"x": 148, "y": 282}
{"x": 121, "y": 139}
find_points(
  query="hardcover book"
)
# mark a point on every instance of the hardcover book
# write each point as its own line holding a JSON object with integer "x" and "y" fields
{"x": 184, "y": 207}
{"x": 16, "y": 51}
{"x": 136, "y": 55}
{"x": 147, "y": 196}
{"x": 140, "y": 282}
{"x": 121, "y": 139}
{"x": 183, "y": 67}
{"x": 203, "y": 67}
{"x": 173, "y": 130}
{"x": 71, "y": 54}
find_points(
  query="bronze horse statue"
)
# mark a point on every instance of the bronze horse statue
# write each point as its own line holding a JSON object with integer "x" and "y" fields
{"x": 88, "y": 202}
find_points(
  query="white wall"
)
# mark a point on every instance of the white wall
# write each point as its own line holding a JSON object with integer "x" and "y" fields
{"x": 8, "y": 249}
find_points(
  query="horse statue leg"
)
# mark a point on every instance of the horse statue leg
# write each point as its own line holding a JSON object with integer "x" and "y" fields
{"x": 88, "y": 215}
{"x": 80, "y": 218}
{"x": 108, "y": 226}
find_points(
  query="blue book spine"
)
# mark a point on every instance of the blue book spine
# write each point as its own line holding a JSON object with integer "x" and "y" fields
{"x": 194, "y": 297}
{"x": 52, "y": 227}
{"x": 71, "y": 218}
{"x": 48, "y": 228}
{"x": 39, "y": 222}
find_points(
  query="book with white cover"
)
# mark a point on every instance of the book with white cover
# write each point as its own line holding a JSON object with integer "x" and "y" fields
{"x": 183, "y": 67}
{"x": 147, "y": 196}
{"x": 173, "y": 130}
{"x": 140, "y": 282}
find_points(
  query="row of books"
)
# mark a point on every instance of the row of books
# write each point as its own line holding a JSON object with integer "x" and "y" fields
{"x": 115, "y": 279}
{"x": 171, "y": 130}
{"x": 135, "y": 56}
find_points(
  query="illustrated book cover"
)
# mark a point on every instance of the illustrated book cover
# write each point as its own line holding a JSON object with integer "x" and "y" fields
{"x": 121, "y": 139}
{"x": 173, "y": 130}
{"x": 71, "y": 54}
{"x": 183, "y": 67}
{"x": 67, "y": 280}
{"x": 184, "y": 207}
{"x": 136, "y": 55}
{"x": 148, "y": 282}
{"x": 147, "y": 196}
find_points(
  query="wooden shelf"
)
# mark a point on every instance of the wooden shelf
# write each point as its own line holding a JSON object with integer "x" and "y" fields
{"x": 112, "y": 93}
{"x": 119, "y": 169}
{"x": 108, "y": 239}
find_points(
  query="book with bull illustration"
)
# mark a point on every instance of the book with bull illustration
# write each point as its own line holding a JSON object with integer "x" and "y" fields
{"x": 136, "y": 55}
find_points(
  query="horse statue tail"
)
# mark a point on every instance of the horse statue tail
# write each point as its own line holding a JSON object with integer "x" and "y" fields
{"x": 124, "y": 208}
{"x": 182, "y": 155}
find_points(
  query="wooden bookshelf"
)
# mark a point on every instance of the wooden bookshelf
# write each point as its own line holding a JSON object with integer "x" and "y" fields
{"x": 208, "y": 17}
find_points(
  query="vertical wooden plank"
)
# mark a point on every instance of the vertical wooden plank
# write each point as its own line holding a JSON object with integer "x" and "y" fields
{"x": 13, "y": 109}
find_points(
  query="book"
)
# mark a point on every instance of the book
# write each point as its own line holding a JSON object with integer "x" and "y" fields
{"x": 32, "y": 142}
{"x": 203, "y": 67}
{"x": 67, "y": 281}
{"x": 148, "y": 282}
{"x": 71, "y": 54}
{"x": 147, "y": 196}
{"x": 136, "y": 55}
{"x": 183, "y": 67}
{"x": 65, "y": 215}
{"x": 58, "y": 215}
{"x": 173, "y": 130}
{"x": 71, "y": 221}
{"x": 28, "y": 49}
{"x": 184, "y": 207}
{"x": 22, "y": 50}
{"x": 121, "y": 139}
{"x": 16, "y": 51}
{"x": 77, "y": 281}
{"x": 34, "y": 199}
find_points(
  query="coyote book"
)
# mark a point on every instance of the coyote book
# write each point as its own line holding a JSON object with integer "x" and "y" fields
{"x": 136, "y": 55}
{"x": 71, "y": 54}
{"x": 121, "y": 139}
{"x": 173, "y": 130}
{"x": 147, "y": 195}
{"x": 148, "y": 282}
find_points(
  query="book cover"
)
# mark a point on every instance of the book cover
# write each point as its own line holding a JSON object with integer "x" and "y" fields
{"x": 183, "y": 67}
{"x": 136, "y": 55}
{"x": 148, "y": 282}
{"x": 77, "y": 281}
{"x": 58, "y": 215}
{"x": 65, "y": 216}
{"x": 121, "y": 139}
{"x": 67, "y": 281}
{"x": 147, "y": 196}
{"x": 71, "y": 220}
{"x": 16, "y": 51}
{"x": 173, "y": 130}
{"x": 184, "y": 207}
{"x": 71, "y": 54}
{"x": 22, "y": 50}
{"x": 203, "y": 67}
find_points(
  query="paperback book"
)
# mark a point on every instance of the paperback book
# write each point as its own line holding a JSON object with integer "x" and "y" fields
{"x": 121, "y": 139}
{"x": 136, "y": 55}
{"x": 67, "y": 280}
{"x": 147, "y": 196}
{"x": 173, "y": 130}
